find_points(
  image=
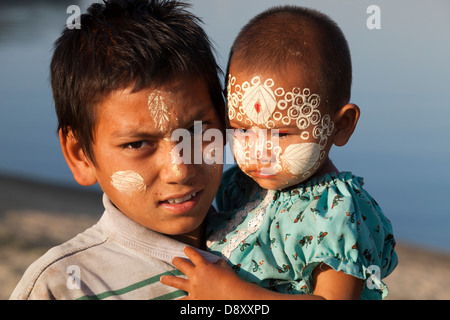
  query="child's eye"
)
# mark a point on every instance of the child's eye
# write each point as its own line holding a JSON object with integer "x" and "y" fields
{"x": 280, "y": 134}
{"x": 241, "y": 131}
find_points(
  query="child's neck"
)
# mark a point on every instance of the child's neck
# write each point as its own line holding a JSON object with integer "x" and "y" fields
{"x": 327, "y": 167}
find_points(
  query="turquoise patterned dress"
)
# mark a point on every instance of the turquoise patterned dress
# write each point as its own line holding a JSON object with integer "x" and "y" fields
{"x": 276, "y": 238}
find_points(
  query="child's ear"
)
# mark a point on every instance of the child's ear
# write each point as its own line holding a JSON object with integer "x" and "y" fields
{"x": 81, "y": 167}
{"x": 345, "y": 121}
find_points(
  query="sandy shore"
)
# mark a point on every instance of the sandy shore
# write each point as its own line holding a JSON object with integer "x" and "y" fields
{"x": 34, "y": 217}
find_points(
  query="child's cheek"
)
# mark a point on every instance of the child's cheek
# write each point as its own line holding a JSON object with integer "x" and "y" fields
{"x": 240, "y": 151}
{"x": 213, "y": 158}
{"x": 300, "y": 159}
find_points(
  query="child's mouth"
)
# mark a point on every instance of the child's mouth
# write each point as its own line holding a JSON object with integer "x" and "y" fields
{"x": 263, "y": 175}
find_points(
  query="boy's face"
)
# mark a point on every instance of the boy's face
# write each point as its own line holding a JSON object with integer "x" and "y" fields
{"x": 260, "y": 103}
{"x": 133, "y": 153}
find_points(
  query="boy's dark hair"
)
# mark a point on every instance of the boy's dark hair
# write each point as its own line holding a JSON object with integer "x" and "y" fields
{"x": 280, "y": 37}
{"x": 124, "y": 43}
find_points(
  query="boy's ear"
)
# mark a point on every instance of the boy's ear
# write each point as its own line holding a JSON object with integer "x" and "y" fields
{"x": 345, "y": 121}
{"x": 81, "y": 167}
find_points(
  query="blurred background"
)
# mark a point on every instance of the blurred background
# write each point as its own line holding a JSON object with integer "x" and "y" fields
{"x": 401, "y": 146}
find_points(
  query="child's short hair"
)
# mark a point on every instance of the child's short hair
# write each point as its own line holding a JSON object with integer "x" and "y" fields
{"x": 124, "y": 43}
{"x": 281, "y": 36}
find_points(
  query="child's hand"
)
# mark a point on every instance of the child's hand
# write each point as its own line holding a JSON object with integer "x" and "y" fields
{"x": 206, "y": 281}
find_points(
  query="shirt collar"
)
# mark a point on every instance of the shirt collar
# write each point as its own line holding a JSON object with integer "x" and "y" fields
{"x": 133, "y": 235}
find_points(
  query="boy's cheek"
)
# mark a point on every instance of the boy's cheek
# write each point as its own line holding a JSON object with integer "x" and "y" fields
{"x": 128, "y": 182}
{"x": 212, "y": 174}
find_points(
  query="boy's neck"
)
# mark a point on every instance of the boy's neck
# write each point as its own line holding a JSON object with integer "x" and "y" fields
{"x": 194, "y": 238}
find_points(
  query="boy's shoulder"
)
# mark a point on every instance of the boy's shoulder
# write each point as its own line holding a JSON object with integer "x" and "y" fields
{"x": 115, "y": 259}
{"x": 95, "y": 265}
{"x": 57, "y": 268}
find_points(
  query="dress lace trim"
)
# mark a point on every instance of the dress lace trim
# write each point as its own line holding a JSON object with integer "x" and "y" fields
{"x": 258, "y": 208}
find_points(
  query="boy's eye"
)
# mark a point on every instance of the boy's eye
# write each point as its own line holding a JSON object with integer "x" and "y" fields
{"x": 199, "y": 127}
{"x": 137, "y": 145}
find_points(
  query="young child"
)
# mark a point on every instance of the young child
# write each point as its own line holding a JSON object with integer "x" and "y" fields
{"x": 304, "y": 230}
{"x": 135, "y": 71}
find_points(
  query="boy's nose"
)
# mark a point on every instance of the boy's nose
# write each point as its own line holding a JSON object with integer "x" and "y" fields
{"x": 179, "y": 173}
{"x": 173, "y": 170}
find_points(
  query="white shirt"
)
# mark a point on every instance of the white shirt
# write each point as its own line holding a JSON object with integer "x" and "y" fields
{"x": 117, "y": 258}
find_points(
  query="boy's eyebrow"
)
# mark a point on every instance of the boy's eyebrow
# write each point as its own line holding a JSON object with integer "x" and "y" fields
{"x": 135, "y": 133}
{"x": 184, "y": 121}
{"x": 202, "y": 112}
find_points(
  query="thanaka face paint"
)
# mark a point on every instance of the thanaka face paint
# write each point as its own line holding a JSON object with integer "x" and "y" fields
{"x": 158, "y": 109}
{"x": 128, "y": 182}
{"x": 262, "y": 105}
{"x": 300, "y": 158}
{"x": 259, "y": 101}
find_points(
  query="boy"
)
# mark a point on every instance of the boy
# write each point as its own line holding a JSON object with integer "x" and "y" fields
{"x": 134, "y": 72}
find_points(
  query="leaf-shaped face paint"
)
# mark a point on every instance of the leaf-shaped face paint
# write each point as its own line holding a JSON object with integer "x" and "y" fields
{"x": 158, "y": 110}
{"x": 128, "y": 182}
{"x": 259, "y": 103}
{"x": 300, "y": 158}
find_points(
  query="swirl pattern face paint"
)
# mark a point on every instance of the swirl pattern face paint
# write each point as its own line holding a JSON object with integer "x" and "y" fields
{"x": 258, "y": 105}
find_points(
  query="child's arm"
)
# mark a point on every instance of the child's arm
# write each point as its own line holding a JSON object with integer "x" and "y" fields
{"x": 208, "y": 281}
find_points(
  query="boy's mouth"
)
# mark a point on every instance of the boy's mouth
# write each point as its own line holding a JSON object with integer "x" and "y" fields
{"x": 181, "y": 203}
{"x": 181, "y": 199}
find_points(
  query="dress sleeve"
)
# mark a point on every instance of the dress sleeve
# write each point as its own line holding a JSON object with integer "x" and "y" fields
{"x": 345, "y": 228}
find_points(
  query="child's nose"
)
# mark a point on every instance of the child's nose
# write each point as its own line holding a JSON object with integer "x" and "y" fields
{"x": 260, "y": 151}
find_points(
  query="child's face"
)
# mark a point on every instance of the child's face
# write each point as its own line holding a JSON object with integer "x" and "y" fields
{"x": 133, "y": 152}
{"x": 260, "y": 103}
